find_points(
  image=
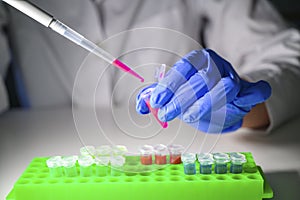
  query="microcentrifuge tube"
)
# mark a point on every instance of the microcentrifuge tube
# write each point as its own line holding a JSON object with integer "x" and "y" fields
{"x": 104, "y": 150}
{"x": 119, "y": 150}
{"x": 102, "y": 168}
{"x": 55, "y": 166}
{"x": 237, "y": 161}
{"x": 87, "y": 151}
{"x": 206, "y": 161}
{"x": 146, "y": 153}
{"x": 221, "y": 160}
{"x": 117, "y": 163}
{"x": 85, "y": 163}
{"x": 146, "y": 97}
{"x": 161, "y": 152}
{"x": 175, "y": 151}
{"x": 69, "y": 164}
{"x": 188, "y": 160}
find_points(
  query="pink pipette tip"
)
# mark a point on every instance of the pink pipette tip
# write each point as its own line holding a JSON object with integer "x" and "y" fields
{"x": 125, "y": 68}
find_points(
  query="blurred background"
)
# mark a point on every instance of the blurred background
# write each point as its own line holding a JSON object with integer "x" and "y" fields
{"x": 26, "y": 133}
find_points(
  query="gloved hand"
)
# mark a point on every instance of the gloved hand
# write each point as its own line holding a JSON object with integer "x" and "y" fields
{"x": 203, "y": 90}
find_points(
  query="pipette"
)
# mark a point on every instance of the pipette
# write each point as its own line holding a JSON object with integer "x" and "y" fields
{"x": 49, "y": 21}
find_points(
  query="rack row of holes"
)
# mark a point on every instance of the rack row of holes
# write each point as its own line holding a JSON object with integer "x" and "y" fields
{"x": 142, "y": 179}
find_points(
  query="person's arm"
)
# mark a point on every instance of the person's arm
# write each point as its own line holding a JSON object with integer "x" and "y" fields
{"x": 254, "y": 39}
{"x": 257, "y": 118}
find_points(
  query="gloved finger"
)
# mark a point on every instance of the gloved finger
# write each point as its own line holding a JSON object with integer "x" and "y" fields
{"x": 182, "y": 71}
{"x": 224, "y": 92}
{"x": 141, "y": 106}
{"x": 184, "y": 97}
{"x": 224, "y": 67}
{"x": 253, "y": 93}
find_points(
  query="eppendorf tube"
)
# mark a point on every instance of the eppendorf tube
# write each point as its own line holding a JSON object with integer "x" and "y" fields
{"x": 102, "y": 165}
{"x": 161, "y": 152}
{"x": 103, "y": 151}
{"x": 87, "y": 151}
{"x": 221, "y": 160}
{"x": 55, "y": 166}
{"x": 69, "y": 164}
{"x": 189, "y": 164}
{"x": 206, "y": 161}
{"x": 117, "y": 163}
{"x": 85, "y": 163}
{"x": 119, "y": 150}
{"x": 237, "y": 161}
{"x": 146, "y": 153}
{"x": 175, "y": 151}
{"x": 146, "y": 96}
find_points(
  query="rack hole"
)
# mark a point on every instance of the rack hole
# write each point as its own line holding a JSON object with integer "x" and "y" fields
{"x": 130, "y": 174}
{"x": 128, "y": 180}
{"x": 237, "y": 177}
{"x": 160, "y": 179}
{"x": 190, "y": 178}
{"x": 174, "y": 168}
{"x": 206, "y": 178}
{"x": 98, "y": 180}
{"x": 144, "y": 179}
{"x": 68, "y": 180}
{"x": 160, "y": 173}
{"x": 113, "y": 180}
{"x": 252, "y": 177}
{"x": 222, "y": 178}
{"x": 83, "y": 180}
{"x": 53, "y": 181}
{"x": 175, "y": 173}
{"x": 28, "y": 175}
{"x": 145, "y": 174}
{"x": 42, "y": 175}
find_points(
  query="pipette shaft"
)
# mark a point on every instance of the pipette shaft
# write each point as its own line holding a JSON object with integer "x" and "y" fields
{"x": 49, "y": 21}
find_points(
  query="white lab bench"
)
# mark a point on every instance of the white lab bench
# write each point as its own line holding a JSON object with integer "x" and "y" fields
{"x": 25, "y": 134}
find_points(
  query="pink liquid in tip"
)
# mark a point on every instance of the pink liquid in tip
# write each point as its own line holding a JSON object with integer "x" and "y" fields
{"x": 125, "y": 68}
{"x": 154, "y": 111}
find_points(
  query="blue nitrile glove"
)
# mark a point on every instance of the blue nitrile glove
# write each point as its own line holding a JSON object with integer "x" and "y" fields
{"x": 203, "y": 90}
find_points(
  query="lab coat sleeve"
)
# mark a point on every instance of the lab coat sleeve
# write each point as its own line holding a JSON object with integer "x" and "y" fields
{"x": 253, "y": 37}
{"x": 4, "y": 59}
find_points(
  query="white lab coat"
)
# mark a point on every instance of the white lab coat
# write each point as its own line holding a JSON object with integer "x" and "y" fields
{"x": 249, "y": 34}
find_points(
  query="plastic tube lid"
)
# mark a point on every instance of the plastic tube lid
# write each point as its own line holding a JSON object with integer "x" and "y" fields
{"x": 85, "y": 161}
{"x": 119, "y": 150}
{"x": 87, "y": 151}
{"x": 54, "y": 162}
{"x": 221, "y": 158}
{"x": 69, "y": 161}
{"x": 205, "y": 158}
{"x": 175, "y": 148}
{"x": 188, "y": 158}
{"x": 238, "y": 158}
{"x": 104, "y": 150}
{"x": 146, "y": 150}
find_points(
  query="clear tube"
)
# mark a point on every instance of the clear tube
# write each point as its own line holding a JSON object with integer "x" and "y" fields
{"x": 78, "y": 39}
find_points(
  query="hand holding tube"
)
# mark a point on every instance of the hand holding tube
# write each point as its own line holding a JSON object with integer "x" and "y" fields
{"x": 203, "y": 90}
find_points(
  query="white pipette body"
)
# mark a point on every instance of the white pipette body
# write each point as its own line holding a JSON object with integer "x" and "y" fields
{"x": 49, "y": 21}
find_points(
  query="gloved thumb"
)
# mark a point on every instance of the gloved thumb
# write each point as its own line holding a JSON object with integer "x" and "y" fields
{"x": 252, "y": 93}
